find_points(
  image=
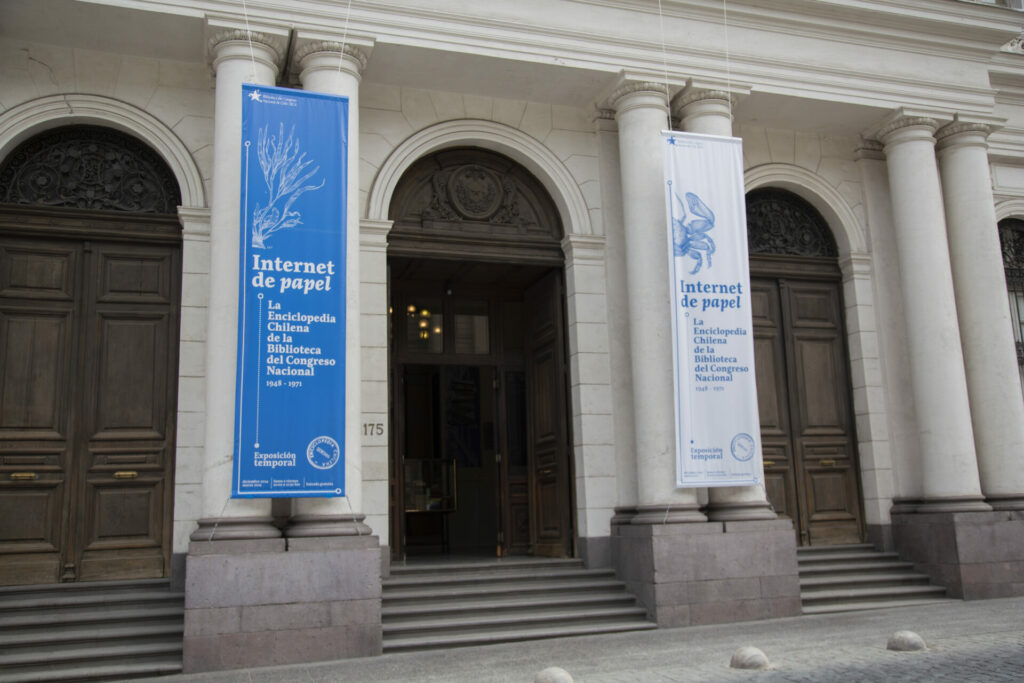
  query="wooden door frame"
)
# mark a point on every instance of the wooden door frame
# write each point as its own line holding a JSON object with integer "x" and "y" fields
{"x": 813, "y": 269}
{"x": 94, "y": 227}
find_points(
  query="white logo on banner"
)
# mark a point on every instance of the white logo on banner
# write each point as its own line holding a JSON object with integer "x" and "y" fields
{"x": 717, "y": 429}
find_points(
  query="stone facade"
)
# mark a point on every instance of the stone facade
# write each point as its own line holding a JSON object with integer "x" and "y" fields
{"x": 901, "y": 125}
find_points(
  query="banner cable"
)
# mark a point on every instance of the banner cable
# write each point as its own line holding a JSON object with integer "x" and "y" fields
{"x": 664, "y": 62}
{"x": 248, "y": 35}
{"x": 344, "y": 35}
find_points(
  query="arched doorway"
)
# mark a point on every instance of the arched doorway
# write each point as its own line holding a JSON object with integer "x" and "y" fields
{"x": 803, "y": 385}
{"x": 480, "y": 450}
{"x": 90, "y": 278}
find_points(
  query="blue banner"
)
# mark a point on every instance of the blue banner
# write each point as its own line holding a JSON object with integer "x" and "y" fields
{"x": 290, "y": 394}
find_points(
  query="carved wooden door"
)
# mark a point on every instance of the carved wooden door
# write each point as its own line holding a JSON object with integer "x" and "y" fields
{"x": 547, "y": 437}
{"x": 804, "y": 400}
{"x": 88, "y": 380}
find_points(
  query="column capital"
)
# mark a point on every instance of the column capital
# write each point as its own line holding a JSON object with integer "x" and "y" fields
{"x": 351, "y": 54}
{"x": 639, "y": 94}
{"x": 905, "y": 128}
{"x": 238, "y": 43}
{"x": 869, "y": 149}
{"x": 963, "y": 133}
{"x": 692, "y": 95}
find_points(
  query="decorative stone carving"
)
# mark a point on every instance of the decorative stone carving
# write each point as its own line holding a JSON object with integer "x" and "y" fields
{"x": 781, "y": 223}
{"x": 351, "y": 51}
{"x": 905, "y": 122}
{"x": 1011, "y": 237}
{"x": 89, "y": 167}
{"x": 474, "y": 193}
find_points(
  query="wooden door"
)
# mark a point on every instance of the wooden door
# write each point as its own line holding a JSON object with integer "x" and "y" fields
{"x": 88, "y": 380}
{"x": 804, "y": 399}
{"x": 547, "y": 431}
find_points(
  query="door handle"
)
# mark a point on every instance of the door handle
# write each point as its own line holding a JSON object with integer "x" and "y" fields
{"x": 24, "y": 476}
{"x": 546, "y": 471}
{"x": 828, "y": 463}
{"x": 126, "y": 474}
{"x": 768, "y": 463}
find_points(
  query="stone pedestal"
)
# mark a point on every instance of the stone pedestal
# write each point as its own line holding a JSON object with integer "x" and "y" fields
{"x": 262, "y": 603}
{"x": 974, "y": 555}
{"x": 691, "y": 574}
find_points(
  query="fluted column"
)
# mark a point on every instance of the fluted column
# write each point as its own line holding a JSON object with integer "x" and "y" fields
{"x": 238, "y": 57}
{"x": 325, "y": 67}
{"x": 949, "y": 468}
{"x": 641, "y": 112}
{"x": 990, "y": 358}
{"x": 709, "y": 112}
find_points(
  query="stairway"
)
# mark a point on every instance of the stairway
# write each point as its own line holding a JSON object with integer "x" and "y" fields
{"x": 109, "y": 630}
{"x": 440, "y": 604}
{"x": 846, "y": 578}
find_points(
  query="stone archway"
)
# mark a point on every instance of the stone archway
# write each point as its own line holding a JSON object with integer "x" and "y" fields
{"x": 804, "y": 391}
{"x": 90, "y": 280}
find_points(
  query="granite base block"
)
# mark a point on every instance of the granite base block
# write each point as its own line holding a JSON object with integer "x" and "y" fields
{"x": 975, "y": 555}
{"x": 251, "y": 609}
{"x": 690, "y": 574}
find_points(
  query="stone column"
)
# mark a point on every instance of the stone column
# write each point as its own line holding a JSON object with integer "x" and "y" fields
{"x": 709, "y": 112}
{"x": 949, "y": 470}
{"x": 325, "y": 68}
{"x": 238, "y": 57}
{"x": 990, "y": 358}
{"x": 684, "y": 574}
{"x": 642, "y": 113}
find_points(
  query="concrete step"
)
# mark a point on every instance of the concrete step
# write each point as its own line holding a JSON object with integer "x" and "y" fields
{"x": 494, "y": 576}
{"x": 488, "y": 637}
{"x": 453, "y": 567}
{"x": 864, "y": 579}
{"x": 873, "y": 594}
{"x": 90, "y": 631}
{"x": 112, "y": 671}
{"x": 888, "y": 603}
{"x": 96, "y": 616}
{"x": 510, "y": 603}
{"x": 474, "y": 603}
{"x": 510, "y": 587}
{"x": 535, "y": 618}
{"x": 859, "y": 566}
{"x": 808, "y": 550}
{"x": 44, "y": 640}
{"x": 846, "y": 556}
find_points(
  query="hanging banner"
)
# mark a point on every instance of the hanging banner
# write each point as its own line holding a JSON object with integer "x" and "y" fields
{"x": 290, "y": 394}
{"x": 717, "y": 427}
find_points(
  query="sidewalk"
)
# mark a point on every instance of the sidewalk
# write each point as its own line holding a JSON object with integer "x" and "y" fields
{"x": 967, "y": 642}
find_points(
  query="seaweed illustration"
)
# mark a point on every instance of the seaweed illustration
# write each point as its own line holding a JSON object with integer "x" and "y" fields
{"x": 692, "y": 239}
{"x": 287, "y": 174}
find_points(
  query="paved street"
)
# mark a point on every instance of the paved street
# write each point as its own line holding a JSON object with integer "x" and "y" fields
{"x": 967, "y": 642}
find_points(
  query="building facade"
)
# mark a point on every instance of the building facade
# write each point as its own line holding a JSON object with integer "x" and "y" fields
{"x": 507, "y": 299}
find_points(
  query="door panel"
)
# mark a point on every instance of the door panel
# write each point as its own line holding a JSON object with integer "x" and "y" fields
{"x": 88, "y": 357}
{"x": 803, "y": 394}
{"x": 547, "y": 437}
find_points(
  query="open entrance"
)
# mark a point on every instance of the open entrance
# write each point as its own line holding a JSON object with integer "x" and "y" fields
{"x": 803, "y": 385}
{"x": 480, "y": 441}
{"x": 90, "y": 273}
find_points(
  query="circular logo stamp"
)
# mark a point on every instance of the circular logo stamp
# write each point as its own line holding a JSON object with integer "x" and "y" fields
{"x": 323, "y": 452}
{"x": 742, "y": 447}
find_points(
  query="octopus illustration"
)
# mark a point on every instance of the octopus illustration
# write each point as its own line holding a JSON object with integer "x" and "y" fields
{"x": 691, "y": 238}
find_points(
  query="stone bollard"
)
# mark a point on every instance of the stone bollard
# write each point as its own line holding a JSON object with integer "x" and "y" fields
{"x": 748, "y": 657}
{"x": 553, "y": 674}
{"x": 905, "y": 641}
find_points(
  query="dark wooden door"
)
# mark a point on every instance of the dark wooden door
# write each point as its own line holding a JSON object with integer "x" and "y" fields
{"x": 88, "y": 384}
{"x": 547, "y": 432}
{"x": 804, "y": 401}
